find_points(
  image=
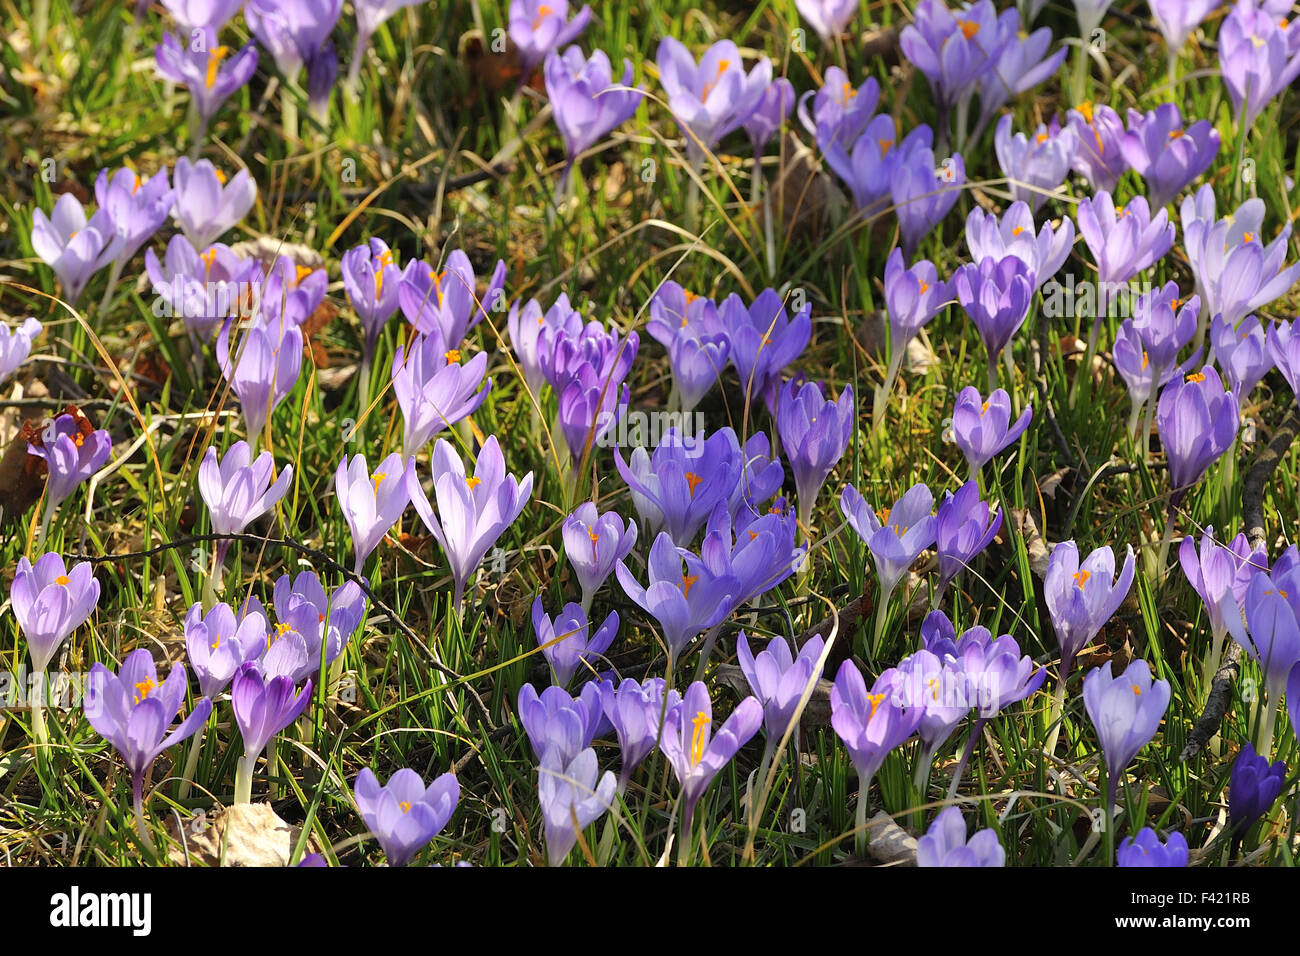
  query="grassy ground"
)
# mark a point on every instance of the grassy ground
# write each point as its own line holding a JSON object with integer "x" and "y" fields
{"x": 432, "y": 115}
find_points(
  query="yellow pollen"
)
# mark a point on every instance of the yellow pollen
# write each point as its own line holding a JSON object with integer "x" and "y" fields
{"x": 282, "y": 629}
{"x": 924, "y": 285}
{"x": 884, "y": 146}
{"x": 1196, "y": 377}
{"x": 78, "y": 439}
{"x": 473, "y": 481}
{"x": 1256, "y": 41}
{"x": 1176, "y": 304}
{"x": 690, "y": 296}
{"x": 405, "y": 805}
{"x": 377, "y": 478}
{"x": 687, "y": 581}
{"x": 1145, "y": 359}
{"x": 876, "y": 700}
{"x": 221, "y": 177}
{"x": 984, "y": 408}
{"x": 849, "y": 92}
{"x": 693, "y": 479}
{"x": 969, "y": 29}
{"x": 1042, "y": 138}
{"x": 142, "y": 689}
{"x": 135, "y": 187}
{"x": 883, "y": 515}
{"x": 217, "y": 642}
{"x": 1175, "y": 133}
{"x": 1283, "y": 593}
{"x": 1082, "y": 578}
{"x": 215, "y": 56}
{"x": 1085, "y": 110}
{"x": 698, "y": 737}
{"x": 1017, "y": 230}
{"x": 708, "y": 87}
{"x": 1248, "y": 237}
{"x": 1137, "y": 691}
{"x": 452, "y": 355}
{"x": 208, "y": 257}
{"x": 753, "y": 535}
{"x": 594, "y": 536}
{"x": 62, "y": 580}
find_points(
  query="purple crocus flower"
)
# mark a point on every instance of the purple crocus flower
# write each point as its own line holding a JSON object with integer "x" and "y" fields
{"x": 840, "y": 109}
{"x": 685, "y": 603}
{"x": 206, "y": 205}
{"x": 945, "y": 844}
{"x": 70, "y": 245}
{"x": 1271, "y": 632}
{"x": 556, "y": 722}
{"x": 1021, "y": 63}
{"x": 939, "y": 688}
{"x": 1236, "y": 274}
{"x": 50, "y": 601}
{"x": 1253, "y": 787}
{"x": 1221, "y": 574}
{"x": 1257, "y": 58}
{"x": 71, "y": 456}
{"x": 1097, "y": 155}
{"x": 533, "y": 334}
{"x": 372, "y": 281}
{"x": 322, "y": 72}
{"x": 435, "y": 389}
{"x": 594, "y": 397}
{"x": 964, "y": 527}
{"x": 815, "y": 433}
{"x": 913, "y": 297}
{"x": 263, "y": 698}
{"x": 635, "y": 711}
{"x": 586, "y": 101}
{"x": 1242, "y": 353}
{"x": 697, "y": 344}
{"x": 983, "y": 429}
{"x": 997, "y": 676}
{"x": 772, "y": 111}
{"x": 867, "y": 162}
{"x": 292, "y": 30}
{"x": 922, "y": 192}
{"x": 955, "y": 50}
{"x": 537, "y": 28}
{"x": 568, "y": 791}
{"x": 871, "y": 725}
{"x": 778, "y": 679}
{"x": 211, "y": 71}
{"x": 1034, "y": 166}
{"x": 677, "y": 487}
{"x": 447, "y": 300}
{"x": 135, "y": 208}
{"x": 1082, "y": 598}
{"x": 322, "y": 624}
{"x": 264, "y": 369}
{"x": 1165, "y": 323}
{"x": 896, "y": 536}
{"x": 765, "y": 339}
{"x": 203, "y": 288}
{"x": 236, "y": 492}
{"x": 594, "y": 543}
{"x": 1284, "y": 348}
{"x": 404, "y": 814}
{"x": 1165, "y": 154}
{"x": 193, "y": 15}
{"x": 1133, "y": 363}
{"x": 372, "y": 503}
{"x": 1126, "y": 711}
{"x": 827, "y": 17}
{"x": 570, "y": 640}
{"x": 760, "y": 479}
{"x": 133, "y": 711}
{"x": 16, "y": 345}
{"x": 217, "y": 643}
{"x": 989, "y": 237}
{"x": 473, "y": 510}
{"x": 1122, "y": 241}
{"x": 1146, "y": 850}
{"x": 1197, "y": 420}
{"x": 760, "y": 555}
{"x": 710, "y": 100}
{"x": 695, "y": 751}
{"x": 1177, "y": 19}
{"x": 996, "y": 294}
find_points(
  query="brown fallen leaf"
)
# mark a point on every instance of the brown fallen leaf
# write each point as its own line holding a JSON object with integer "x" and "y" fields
{"x": 246, "y": 834}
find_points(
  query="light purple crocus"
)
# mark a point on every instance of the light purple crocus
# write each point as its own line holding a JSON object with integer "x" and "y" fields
{"x": 867, "y": 161}
{"x": 435, "y": 388}
{"x": 473, "y": 510}
{"x": 1081, "y": 598}
{"x": 1257, "y": 58}
{"x": 895, "y": 536}
{"x": 913, "y": 296}
{"x": 1164, "y": 153}
{"x": 815, "y": 433}
{"x": 770, "y": 114}
{"x": 1126, "y": 711}
{"x": 49, "y": 602}
{"x": 696, "y": 751}
{"x": 211, "y": 71}
{"x": 676, "y": 488}
{"x": 265, "y": 701}
{"x": 538, "y": 27}
{"x": 697, "y": 344}
{"x": 218, "y": 642}
{"x": 1123, "y": 241}
{"x": 954, "y": 49}
{"x": 827, "y": 17}
{"x": 533, "y": 334}
{"x": 1271, "y": 631}
{"x": 448, "y": 300}
{"x": 964, "y": 526}
{"x": 292, "y": 30}
{"x": 1021, "y": 63}
{"x": 839, "y": 109}
{"x": 570, "y": 641}
{"x": 710, "y": 99}
{"x": 557, "y": 722}
{"x": 764, "y": 339}
{"x": 635, "y": 710}
{"x": 1177, "y": 19}
{"x": 236, "y": 492}
{"x": 1134, "y": 366}
{"x": 1034, "y": 166}
{"x": 586, "y": 101}
{"x": 372, "y": 281}
{"x": 133, "y": 712}
{"x": 306, "y": 615}
{"x": 1220, "y": 575}
{"x": 1146, "y": 849}
{"x": 1044, "y": 251}
{"x": 983, "y": 428}
{"x": 263, "y": 370}
{"x": 16, "y": 345}
{"x": 945, "y": 844}
{"x": 594, "y": 398}
{"x": 685, "y": 603}
{"x": 1198, "y": 420}
{"x": 192, "y": 15}
{"x": 71, "y": 456}
{"x": 1098, "y": 158}
{"x": 1242, "y": 353}
{"x": 1283, "y": 342}
{"x": 134, "y": 208}
{"x": 594, "y": 543}
{"x": 206, "y": 204}
{"x": 404, "y": 814}
{"x": 923, "y": 192}
{"x": 70, "y": 245}
{"x": 569, "y": 791}
{"x": 372, "y": 503}
{"x": 203, "y": 288}
{"x": 778, "y": 679}
{"x": 996, "y": 295}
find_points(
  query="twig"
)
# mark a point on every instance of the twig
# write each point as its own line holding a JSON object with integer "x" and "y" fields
{"x": 315, "y": 555}
{"x": 1040, "y": 353}
{"x": 1216, "y": 704}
